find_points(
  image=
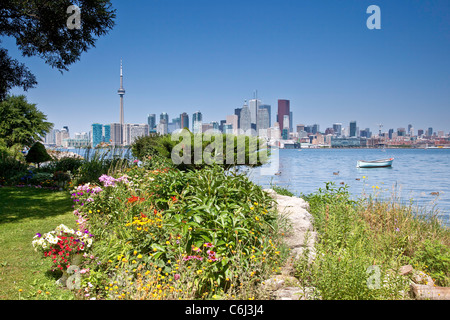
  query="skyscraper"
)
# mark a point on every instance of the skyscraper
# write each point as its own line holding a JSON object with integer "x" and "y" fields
{"x": 283, "y": 110}
{"x": 184, "y": 117}
{"x": 107, "y": 133}
{"x": 116, "y": 134}
{"x": 121, "y": 93}
{"x": 246, "y": 119}
{"x": 254, "y": 106}
{"x": 352, "y": 129}
{"x": 337, "y": 127}
{"x": 233, "y": 120}
{"x": 197, "y": 121}
{"x": 268, "y": 107}
{"x": 262, "y": 123}
{"x": 237, "y": 112}
{"x": 97, "y": 134}
{"x": 151, "y": 121}
{"x": 164, "y": 116}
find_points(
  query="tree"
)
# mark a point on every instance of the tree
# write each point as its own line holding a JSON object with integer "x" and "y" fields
{"x": 41, "y": 28}
{"x": 37, "y": 154}
{"x": 21, "y": 122}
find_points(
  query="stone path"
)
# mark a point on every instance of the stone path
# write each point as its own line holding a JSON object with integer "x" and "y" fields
{"x": 300, "y": 237}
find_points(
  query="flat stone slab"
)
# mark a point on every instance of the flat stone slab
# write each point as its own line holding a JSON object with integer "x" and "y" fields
{"x": 302, "y": 235}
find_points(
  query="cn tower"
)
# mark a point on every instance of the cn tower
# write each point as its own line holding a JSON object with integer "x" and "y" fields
{"x": 121, "y": 93}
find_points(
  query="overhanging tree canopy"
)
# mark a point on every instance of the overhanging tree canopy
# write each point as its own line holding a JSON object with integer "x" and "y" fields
{"x": 40, "y": 29}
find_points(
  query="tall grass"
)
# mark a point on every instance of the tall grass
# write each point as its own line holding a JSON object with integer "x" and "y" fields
{"x": 356, "y": 237}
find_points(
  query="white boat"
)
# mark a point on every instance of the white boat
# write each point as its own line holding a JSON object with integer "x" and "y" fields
{"x": 375, "y": 164}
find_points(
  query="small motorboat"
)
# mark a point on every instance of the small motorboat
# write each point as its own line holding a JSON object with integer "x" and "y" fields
{"x": 375, "y": 164}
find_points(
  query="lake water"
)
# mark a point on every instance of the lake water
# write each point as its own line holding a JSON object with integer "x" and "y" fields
{"x": 416, "y": 173}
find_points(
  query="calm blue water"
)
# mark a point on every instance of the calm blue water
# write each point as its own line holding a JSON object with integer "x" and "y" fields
{"x": 415, "y": 174}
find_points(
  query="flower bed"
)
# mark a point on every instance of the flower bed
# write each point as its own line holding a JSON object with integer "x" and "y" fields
{"x": 168, "y": 234}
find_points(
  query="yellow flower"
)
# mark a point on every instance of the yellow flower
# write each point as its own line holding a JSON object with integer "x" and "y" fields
{"x": 139, "y": 256}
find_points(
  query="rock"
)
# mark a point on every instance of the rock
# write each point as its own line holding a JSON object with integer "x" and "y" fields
{"x": 295, "y": 293}
{"x": 302, "y": 235}
{"x": 420, "y": 277}
{"x": 404, "y": 270}
{"x": 278, "y": 281}
{"x": 427, "y": 292}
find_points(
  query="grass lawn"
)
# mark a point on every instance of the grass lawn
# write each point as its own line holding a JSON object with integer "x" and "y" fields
{"x": 23, "y": 213}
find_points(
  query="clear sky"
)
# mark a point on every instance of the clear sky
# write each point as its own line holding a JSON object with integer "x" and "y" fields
{"x": 211, "y": 55}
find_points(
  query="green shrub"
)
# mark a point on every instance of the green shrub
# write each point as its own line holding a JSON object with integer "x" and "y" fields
{"x": 37, "y": 154}
{"x": 11, "y": 170}
{"x": 173, "y": 234}
{"x": 67, "y": 164}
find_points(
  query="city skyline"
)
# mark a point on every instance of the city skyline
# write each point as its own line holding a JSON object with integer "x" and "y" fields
{"x": 320, "y": 56}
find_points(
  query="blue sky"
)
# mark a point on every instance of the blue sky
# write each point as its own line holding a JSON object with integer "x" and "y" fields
{"x": 211, "y": 55}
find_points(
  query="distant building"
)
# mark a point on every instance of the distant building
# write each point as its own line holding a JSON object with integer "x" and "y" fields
{"x": 151, "y": 121}
{"x": 353, "y": 129}
{"x": 430, "y": 132}
{"x": 345, "y": 142}
{"x": 283, "y": 110}
{"x": 116, "y": 134}
{"x": 96, "y": 134}
{"x": 246, "y": 119}
{"x": 137, "y": 131}
{"x": 76, "y": 143}
{"x": 269, "y": 112}
{"x": 237, "y": 112}
{"x": 233, "y": 120}
{"x": 164, "y": 116}
{"x": 107, "y": 133}
{"x": 262, "y": 123}
{"x": 184, "y": 119}
{"x": 337, "y": 127}
{"x": 162, "y": 128}
{"x": 197, "y": 121}
{"x": 253, "y": 105}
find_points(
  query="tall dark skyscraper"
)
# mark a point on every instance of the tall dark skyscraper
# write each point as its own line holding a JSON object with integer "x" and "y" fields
{"x": 352, "y": 132}
{"x": 184, "y": 118}
{"x": 237, "y": 112}
{"x": 284, "y": 109}
{"x": 151, "y": 120}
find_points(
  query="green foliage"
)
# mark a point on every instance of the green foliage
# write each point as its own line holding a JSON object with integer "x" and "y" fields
{"x": 195, "y": 152}
{"x": 21, "y": 122}
{"x": 66, "y": 164}
{"x": 11, "y": 168}
{"x": 211, "y": 228}
{"x": 345, "y": 252}
{"x": 37, "y": 154}
{"x": 434, "y": 257}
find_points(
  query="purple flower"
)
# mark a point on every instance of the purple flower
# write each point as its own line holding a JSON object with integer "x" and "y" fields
{"x": 38, "y": 235}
